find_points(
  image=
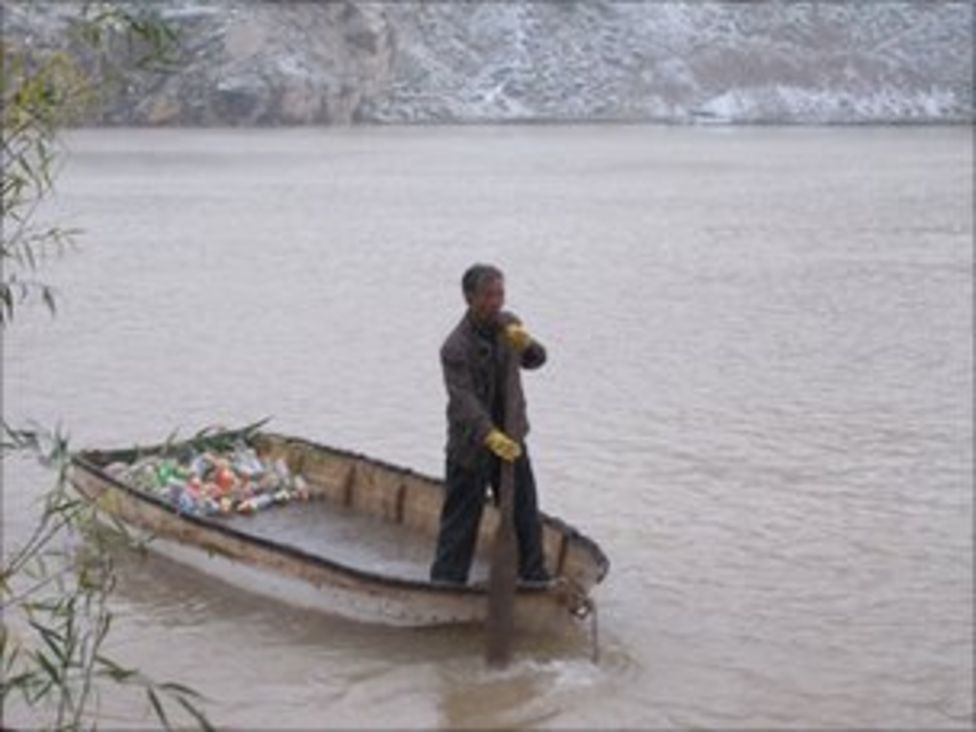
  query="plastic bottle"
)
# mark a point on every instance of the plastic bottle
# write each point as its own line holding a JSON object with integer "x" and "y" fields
{"x": 209, "y": 506}
{"x": 247, "y": 463}
{"x": 165, "y": 472}
{"x": 200, "y": 465}
{"x": 281, "y": 496}
{"x": 187, "y": 505}
{"x": 224, "y": 479}
{"x": 263, "y": 501}
{"x": 182, "y": 472}
{"x": 281, "y": 470}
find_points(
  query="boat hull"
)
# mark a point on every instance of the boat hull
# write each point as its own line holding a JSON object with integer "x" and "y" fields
{"x": 218, "y": 548}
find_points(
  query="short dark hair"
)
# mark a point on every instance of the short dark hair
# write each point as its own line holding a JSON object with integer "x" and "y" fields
{"x": 478, "y": 275}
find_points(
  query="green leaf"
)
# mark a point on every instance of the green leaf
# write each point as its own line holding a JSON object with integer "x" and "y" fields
{"x": 180, "y": 689}
{"x": 47, "y": 606}
{"x": 51, "y": 637}
{"x": 157, "y": 707}
{"x": 48, "y": 296}
{"x": 198, "y": 715}
{"x": 48, "y": 667}
{"x": 41, "y": 690}
{"x": 104, "y": 627}
{"x": 4, "y": 637}
{"x": 20, "y": 681}
{"x": 114, "y": 670}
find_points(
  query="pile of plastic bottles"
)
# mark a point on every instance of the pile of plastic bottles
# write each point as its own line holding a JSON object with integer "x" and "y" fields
{"x": 209, "y": 483}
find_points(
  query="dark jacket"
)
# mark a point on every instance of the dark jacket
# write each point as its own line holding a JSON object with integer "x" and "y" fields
{"x": 474, "y": 363}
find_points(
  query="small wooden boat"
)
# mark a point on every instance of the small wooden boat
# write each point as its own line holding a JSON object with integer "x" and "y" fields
{"x": 306, "y": 553}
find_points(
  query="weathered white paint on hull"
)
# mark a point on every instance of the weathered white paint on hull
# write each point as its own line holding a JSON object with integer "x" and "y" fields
{"x": 329, "y": 599}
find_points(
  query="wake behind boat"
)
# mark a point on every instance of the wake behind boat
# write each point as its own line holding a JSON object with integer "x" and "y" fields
{"x": 324, "y": 528}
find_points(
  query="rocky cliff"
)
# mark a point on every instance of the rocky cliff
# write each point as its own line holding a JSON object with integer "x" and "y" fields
{"x": 256, "y": 63}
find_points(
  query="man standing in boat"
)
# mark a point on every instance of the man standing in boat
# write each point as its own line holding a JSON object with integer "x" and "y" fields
{"x": 474, "y": 359}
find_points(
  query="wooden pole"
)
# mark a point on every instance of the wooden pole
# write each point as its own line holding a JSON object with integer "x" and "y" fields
{"x": 499, "y": 625}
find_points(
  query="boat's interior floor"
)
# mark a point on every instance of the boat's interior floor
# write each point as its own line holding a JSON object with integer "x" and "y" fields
{"x": 353, "y": 539}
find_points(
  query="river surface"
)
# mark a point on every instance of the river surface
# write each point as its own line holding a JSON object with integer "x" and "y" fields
{"x": 758, "y": 401}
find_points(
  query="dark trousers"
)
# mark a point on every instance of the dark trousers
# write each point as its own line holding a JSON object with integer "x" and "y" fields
{"x": 461, "y": 516}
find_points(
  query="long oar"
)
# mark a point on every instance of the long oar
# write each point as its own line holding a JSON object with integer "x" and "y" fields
{"x": 504, "y": 555}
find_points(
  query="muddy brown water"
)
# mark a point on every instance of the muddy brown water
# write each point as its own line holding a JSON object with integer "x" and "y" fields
{"x": 758, "y": 401}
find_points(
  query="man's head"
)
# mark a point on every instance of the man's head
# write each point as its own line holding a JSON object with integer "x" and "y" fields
{"x": 484, "y": 290}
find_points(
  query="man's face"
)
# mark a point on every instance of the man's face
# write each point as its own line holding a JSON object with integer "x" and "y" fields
{"x": 487, "y": 301}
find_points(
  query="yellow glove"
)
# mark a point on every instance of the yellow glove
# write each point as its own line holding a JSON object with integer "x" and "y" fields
{"x": 517, "y": 337}
{"x": 503, "y": 446}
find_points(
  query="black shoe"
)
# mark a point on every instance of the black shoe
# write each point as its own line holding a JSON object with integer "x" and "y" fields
{"x": 536, "y": 580}
{"x": 446, "y": 582}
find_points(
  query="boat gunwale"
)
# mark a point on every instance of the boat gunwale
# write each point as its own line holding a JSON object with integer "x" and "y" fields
{"x": 87, "y": 460}
{"x": 571, "y": 533}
